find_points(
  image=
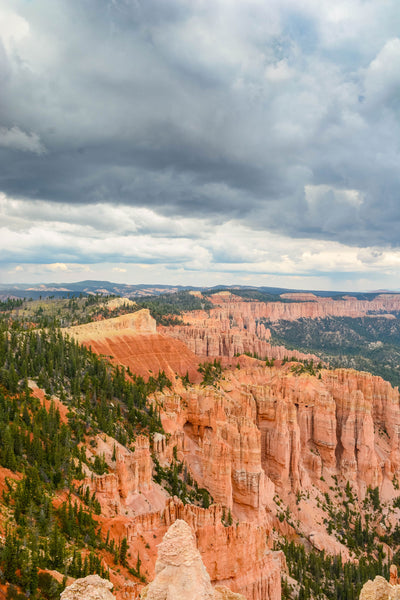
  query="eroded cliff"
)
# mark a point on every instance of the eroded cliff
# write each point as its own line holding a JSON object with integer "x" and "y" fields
{"x": 264, "y": 441}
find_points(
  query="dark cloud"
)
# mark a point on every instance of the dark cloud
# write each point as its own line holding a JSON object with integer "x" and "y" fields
{"x": 217, "y": 109}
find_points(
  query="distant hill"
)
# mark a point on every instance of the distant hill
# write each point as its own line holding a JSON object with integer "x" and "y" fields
{"x": 90, "y": 287}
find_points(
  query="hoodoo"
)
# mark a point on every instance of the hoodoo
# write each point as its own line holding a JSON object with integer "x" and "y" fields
{"x": 180, "y": 572}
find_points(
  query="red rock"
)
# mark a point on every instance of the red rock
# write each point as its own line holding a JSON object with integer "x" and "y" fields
{"x": 129, "y": 488}
{"x": 260, "y": 429}
{"x": 131, "y": 340}
{"x": 236, "y": 556}
{"x": 232, "y": 306}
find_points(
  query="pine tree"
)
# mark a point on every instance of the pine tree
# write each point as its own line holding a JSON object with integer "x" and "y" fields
{"x": 123, "y": 551}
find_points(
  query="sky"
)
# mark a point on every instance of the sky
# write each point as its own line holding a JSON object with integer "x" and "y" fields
{"x": 201, "y": 142}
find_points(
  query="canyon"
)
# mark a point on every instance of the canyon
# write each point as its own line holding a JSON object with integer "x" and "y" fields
{"x": 302, "y": 305}
{"x": 265, "y": 441}
{"x": 234, "y": 326}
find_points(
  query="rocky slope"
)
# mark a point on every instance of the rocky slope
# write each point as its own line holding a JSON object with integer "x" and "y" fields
{"x": 265, "y": 425}
{"x": 345, "y": 423}
{"x": 132, "y": 340}
{"x": 235, "y": 327}
{"x": 201, "y": 434}
{"x": 128, "y": 488}
{"x": 216, "y": 335}
{"x": 264, "y": 433}
{"x": 179, "y": 574}
{"x": 225, "y": 550}
{"x": 229, "y": 341}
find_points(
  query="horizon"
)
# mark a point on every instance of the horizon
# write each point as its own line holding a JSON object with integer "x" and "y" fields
{"x": 201, "y": 142}
{"x": 45, "y": 285}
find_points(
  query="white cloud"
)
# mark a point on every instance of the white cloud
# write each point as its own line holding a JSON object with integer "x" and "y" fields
{"x": 229, "y": 248}
{"x": 13, "y": 29}
{"x": 279, "y": 72}
{"x": 17, "y": 269}
{"x": 57, "y": 267}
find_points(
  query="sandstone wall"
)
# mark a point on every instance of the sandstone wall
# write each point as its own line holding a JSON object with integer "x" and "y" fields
{"x": 230, "y": 307}
{"x": 345, "y": 423}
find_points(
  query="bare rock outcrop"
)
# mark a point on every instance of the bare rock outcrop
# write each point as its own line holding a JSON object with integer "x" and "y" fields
{"x": 235, "y": 327}
{"x": 208, "y": 341}
{"x": 136, "y": 322}
{"x": 128, "y": 488}
{"x": 180, "y": 572}
{"x": 256, "y": 430}
{"x": 92, "y": 587}
{"x": 394, "y": 580}
{"x": 380, "y": 589}
{"x": 269, "y": 426}
{"x": 119, "y": 303}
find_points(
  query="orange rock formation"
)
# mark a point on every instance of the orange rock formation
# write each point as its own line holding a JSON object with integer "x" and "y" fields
{"x": 221, "y": 446}
{"x": 257, "y": 431}
{"x": 132, "y": 340}
{"x": 230, "y": 306}
{"x": 345, "y": 423}
{"x": 128, "y": 489}
{"x": 234, "y": 326}
{"x": 216, "y": 335}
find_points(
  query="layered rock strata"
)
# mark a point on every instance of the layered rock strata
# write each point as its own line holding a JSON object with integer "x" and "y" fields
{"x": 128, "y": 488}
{"x": 257, "y": 430}
{"x": 228, "y": 340}
{"x": 232, "y": 307}
{"x": 267, "y": 425}
{"x": 221, "y": 446}
{"x": 132, "y": 340}
{"x": 134, "y": 323}
{"x": 235, "y": 327}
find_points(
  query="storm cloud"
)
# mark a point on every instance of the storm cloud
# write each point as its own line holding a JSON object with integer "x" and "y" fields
{"x": 274, "y": 117}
